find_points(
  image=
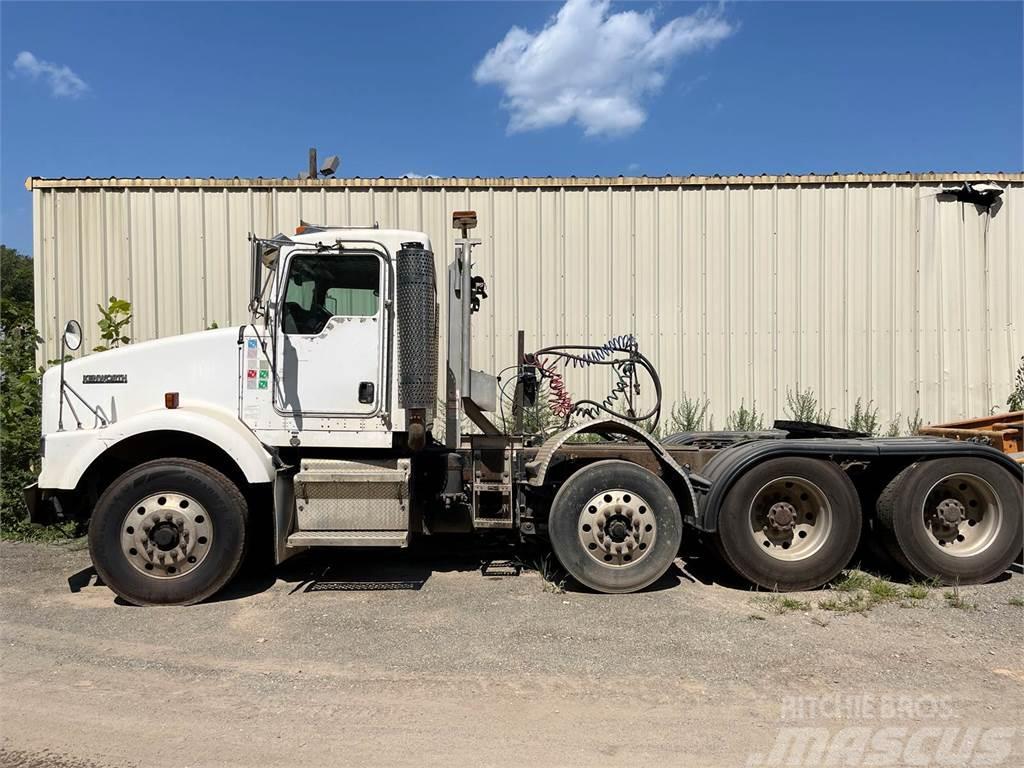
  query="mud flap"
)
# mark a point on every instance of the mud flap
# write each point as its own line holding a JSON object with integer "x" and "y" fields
{"x": 38, "y": 511}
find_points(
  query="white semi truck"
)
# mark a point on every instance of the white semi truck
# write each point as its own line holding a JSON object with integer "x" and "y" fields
{"x": 314, "y": 421}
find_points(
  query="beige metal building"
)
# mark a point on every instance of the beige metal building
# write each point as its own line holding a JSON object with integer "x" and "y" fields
{"x": 738, "y": 288}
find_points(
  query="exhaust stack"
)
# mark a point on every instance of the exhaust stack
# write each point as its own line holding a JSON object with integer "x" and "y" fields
{"x": 417, "y": 338}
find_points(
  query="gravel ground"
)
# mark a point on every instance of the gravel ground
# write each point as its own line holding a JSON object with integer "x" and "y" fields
{"x": 460, "y": 668}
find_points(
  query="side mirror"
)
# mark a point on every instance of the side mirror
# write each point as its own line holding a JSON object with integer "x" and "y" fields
{"x": 72, "y": 335}
{"x": 268, "y": 256}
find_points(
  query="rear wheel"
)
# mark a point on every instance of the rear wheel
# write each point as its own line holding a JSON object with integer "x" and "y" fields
{"x": 790, "y": 523}
{"x": 170, "y": 531}
{"x": 615, "y": 526}
{"x": 956, "y": 520}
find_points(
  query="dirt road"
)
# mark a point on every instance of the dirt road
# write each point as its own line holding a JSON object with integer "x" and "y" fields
{"x": 437, "y": 664}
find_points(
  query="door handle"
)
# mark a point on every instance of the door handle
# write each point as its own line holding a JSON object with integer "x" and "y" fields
{"x": 366, "y": 392}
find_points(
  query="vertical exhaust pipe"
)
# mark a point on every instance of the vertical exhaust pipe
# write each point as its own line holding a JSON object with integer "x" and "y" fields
{"x": 417, "y": 339}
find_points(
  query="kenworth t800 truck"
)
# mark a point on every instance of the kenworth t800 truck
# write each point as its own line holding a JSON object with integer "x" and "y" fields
{"x": 315, "y": 421}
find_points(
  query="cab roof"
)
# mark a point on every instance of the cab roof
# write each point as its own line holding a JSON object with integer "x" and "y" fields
{"x": 392, "y": 239}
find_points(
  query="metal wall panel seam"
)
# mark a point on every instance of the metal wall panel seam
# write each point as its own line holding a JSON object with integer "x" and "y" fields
{"x": 491, "y": 275}
{"x": 227, "y": 241}
{"x": 78, "y": 255}
{"x": 986, "y": 303}
{"x": 1010, "y": 291}
{"x": 540, "y": 256}
{"x": 156, "y": 274}
{"x": 129, "y": 251}
{"x": 753, "y": 377}
{"x": 941, "y": 315}
{"x": 727, "y": 331}
{"x": 963, "y": 313}
{"x": 55, "y": 250}
{"x": 609, "y": 317}
{"x": 916, "y": 251}
{"x": 869, "y": 335}
{"x": 775, "y": 298}
{"x": 799, "y": 257}
{"x": 893, "y": 283}
{"x": 655, "y": 278}
{"x": 202, "y": 253}
{"x": 273, "y": 208}
{"x": 561, "y": 222}
{"x": 632, "y": 259}
{"x": 103, "y": 240}
{"x": 40, "y": 267}
{"x": 587, "y": 328}
{"x": 516, "y": 264}
{"x": 181, "y": 264}
{"x": 704, "y": 286}
{"x": 845, "y": 272}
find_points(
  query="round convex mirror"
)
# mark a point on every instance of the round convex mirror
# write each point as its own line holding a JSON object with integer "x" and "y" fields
{"x": 73, "y": 335}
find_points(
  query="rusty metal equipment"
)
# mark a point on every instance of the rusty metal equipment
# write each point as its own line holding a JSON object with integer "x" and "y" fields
{"x": 1002, "y": 431}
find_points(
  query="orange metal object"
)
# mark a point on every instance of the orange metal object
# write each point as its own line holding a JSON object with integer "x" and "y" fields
{"x": 1003, "y": 431}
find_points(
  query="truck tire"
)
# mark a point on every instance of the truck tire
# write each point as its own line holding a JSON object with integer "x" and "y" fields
{"x": 956, "y": 520}
{"x": 168, "y": 532}
{"x": 615, "y": 526}
{"x": 790, "y": 524}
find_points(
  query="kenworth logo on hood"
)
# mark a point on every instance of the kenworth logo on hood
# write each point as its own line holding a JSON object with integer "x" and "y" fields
{"x": 104, "y": 378}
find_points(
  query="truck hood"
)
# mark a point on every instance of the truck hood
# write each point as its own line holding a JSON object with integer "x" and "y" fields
{"x": 119, "y": 383}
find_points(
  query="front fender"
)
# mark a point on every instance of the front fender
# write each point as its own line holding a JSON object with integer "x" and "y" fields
{"x": 69, "y": 454}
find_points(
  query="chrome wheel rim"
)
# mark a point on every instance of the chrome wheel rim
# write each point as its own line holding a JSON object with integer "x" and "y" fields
{"x": 166, "y": 535}
{"x": 617, "y": 528}
{"x": 790, "y": 518}
{"x": 962, "y": 515}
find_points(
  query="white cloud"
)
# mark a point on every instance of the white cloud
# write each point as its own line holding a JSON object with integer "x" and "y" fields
{"x": 60, "y": 77}
{"x": 412, "y": 175}
{"x": 592, "y": 66}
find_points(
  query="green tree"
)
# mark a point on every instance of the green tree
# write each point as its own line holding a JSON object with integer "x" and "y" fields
{"x": 112, "y": 323}
{"x": 1015, "y": 400}
{"x": 19, "y": 385}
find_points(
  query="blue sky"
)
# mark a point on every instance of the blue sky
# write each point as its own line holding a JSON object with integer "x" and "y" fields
{"x": 243, "y": 89}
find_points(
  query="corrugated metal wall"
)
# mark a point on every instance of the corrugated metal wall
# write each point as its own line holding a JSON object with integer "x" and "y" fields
{"x": 737, "y": 288}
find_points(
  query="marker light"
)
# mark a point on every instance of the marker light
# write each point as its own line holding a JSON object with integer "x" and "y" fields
{"x": 464, "y": 219}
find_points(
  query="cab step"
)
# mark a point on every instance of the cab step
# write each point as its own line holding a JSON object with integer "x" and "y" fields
{"x": 346, "y": 503}
{"x": 349, "y": 539}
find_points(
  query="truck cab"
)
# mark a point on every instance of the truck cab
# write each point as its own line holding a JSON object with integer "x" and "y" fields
{"x": 318, "y": 367}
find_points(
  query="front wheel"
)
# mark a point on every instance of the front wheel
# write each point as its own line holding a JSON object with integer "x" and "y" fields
{"x": 168, "y": 532}
{"x": 615, "y": 527}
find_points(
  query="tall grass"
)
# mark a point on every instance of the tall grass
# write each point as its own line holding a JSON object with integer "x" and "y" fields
{"x": 803, "y": 406}
{"x": 745, "y": 419}
{"x": 688, "y": 415}
{"x": 864, "y": 418}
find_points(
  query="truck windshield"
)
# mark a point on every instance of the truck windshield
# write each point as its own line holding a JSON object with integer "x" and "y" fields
{"x": 322, "y": 286}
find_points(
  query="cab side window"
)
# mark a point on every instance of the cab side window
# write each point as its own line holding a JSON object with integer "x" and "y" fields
{"x": 322, "y": 286}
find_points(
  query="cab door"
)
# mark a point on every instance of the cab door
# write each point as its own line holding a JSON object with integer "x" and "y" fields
{"x": 331, "y": 334}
